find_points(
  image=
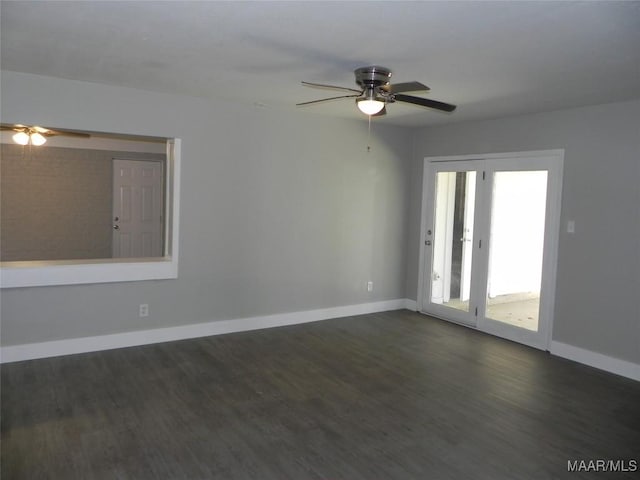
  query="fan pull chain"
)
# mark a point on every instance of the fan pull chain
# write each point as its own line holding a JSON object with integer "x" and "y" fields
{"x": 369, "y": 136}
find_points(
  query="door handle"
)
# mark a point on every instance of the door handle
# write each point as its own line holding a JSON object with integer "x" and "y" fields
{"x": 116, "y": 227}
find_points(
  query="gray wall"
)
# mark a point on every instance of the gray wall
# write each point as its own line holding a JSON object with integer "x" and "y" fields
{"x": 598, "y": 280}
{"x": 56, "y": 203}
{"x": 280, "y": 211}
{"x": 287, "y": 211}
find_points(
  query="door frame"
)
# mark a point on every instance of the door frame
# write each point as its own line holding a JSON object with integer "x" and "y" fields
{"x": 467, "y": 247}
{"x": 550, "y": 259}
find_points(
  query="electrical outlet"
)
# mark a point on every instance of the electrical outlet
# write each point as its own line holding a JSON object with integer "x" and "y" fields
{"x": 143, "y": 311}
{"x": 369, "y": 286}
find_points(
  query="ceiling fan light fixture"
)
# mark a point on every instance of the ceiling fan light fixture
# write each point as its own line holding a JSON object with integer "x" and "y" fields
{"x": 36, "y": 136}
{"x": 21, "y": 138}
{"x": 37, "y": 139}
{"x": 369, "y": 106}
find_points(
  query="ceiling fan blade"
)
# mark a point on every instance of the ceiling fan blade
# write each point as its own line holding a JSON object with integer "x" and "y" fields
{"x": 406, "y": 87}
{"x": 334, "y": 87}
{"x": 425, "y": 102}
{"x": 327, "y": 99}
{"x": 47, "y": 132}
{"x": 66, "y": 133}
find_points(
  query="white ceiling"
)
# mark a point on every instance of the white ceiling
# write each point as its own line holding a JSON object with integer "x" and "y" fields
{"x": 490, "y": 58}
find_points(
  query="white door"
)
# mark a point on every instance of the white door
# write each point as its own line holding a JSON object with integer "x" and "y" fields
{"x": 449, "y": 240}
{"x": 489, "y": 250}
{"x": 137, "y": 208}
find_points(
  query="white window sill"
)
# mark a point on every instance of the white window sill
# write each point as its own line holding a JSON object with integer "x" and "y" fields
{"x": 74, "y": 272}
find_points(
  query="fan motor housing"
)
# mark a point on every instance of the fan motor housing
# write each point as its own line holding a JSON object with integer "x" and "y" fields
{"x": 374, "y": 76}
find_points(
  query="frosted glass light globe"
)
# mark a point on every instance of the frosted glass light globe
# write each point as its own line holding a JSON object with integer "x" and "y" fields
{"x": 38, "y": 139}
{"x": 370, "y": 107}
{"x": 21, "y": 138}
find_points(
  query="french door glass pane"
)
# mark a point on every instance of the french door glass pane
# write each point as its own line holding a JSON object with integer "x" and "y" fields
{"x": 516, "y": 247}
{"x": 453, "y": 239}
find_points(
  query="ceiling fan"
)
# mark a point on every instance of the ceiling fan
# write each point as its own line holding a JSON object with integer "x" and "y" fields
{"x": 376, "y": 92}
{"x": 35, "y": 135}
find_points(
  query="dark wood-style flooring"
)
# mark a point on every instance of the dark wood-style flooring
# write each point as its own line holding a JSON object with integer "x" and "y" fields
{"x": 385, "y": 396}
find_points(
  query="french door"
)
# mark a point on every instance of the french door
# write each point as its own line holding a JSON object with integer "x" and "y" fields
{"x": 490, "y": 230}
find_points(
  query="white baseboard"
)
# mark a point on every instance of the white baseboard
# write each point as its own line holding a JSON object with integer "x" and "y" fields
{"x": 31, "y": 351}
{"x": 16, "y": 353}
{"x": 410, "y": 304}
{"x": 596, "y": 360}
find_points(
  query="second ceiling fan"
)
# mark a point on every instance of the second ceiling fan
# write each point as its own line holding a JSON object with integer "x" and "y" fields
{"x": 35, "y": 135}
{"x": 376, "y": 92}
